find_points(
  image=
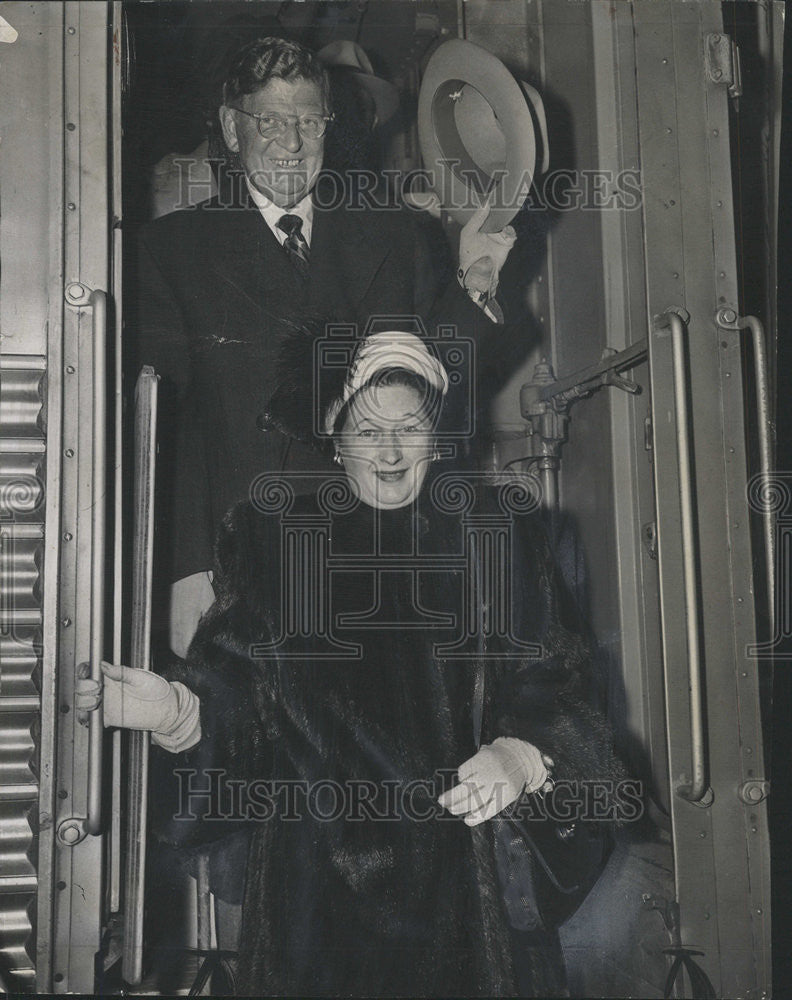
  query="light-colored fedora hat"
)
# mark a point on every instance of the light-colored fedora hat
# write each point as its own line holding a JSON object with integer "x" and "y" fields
{"x": 477, "y": 133}
{"x": 352, "y": 56}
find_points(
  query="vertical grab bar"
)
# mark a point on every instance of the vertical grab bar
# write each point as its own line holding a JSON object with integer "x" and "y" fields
{"x": 727, "y": 319}
{"x": 142, "y": 575}
{"x": 765, "y": 453}
{"x": 73, "y": 829}
{"x": 98, "y": 305}
{"x": 697, "y": 789}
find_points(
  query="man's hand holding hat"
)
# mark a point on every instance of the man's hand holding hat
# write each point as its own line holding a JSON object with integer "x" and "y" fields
{"x": 481, "y": 257}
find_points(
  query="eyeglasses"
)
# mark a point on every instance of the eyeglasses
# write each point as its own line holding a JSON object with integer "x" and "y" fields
{"x": 272, "y": 126}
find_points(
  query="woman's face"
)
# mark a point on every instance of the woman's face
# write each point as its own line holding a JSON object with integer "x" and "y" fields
{"x": 386, "y": 444}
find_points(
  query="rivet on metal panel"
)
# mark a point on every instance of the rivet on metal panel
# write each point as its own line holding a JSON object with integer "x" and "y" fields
{"x": 726, "y": 317}
{"x": 65, "y": 709}
{"x": 71, "y": 30}
{"x": 71, "y": 831}
{"x": 716, "y": 131}
{"x": 675, "y": 274}
{"x": 77, "y": 294}
{"x": 702, "y": 834}
{"x": 63, "y": 794}
{"x": 67, "y": 536}
{"x": 69, "y": 453}
{"x": 753, "y": 792}
{"x": 66, "y": 622}
{"x": 61, "y": 885}
{"x": 70, "y": 126}
{"x": 70, "y": 369}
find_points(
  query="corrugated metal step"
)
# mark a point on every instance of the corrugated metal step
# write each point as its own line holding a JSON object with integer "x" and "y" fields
{"x": 17, "y": 920}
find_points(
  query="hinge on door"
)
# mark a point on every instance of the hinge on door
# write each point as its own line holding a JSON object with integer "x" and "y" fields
{"x": 650, "y": 538}
{"x": 648, "y": 433}
{"x": 723, "y": 64}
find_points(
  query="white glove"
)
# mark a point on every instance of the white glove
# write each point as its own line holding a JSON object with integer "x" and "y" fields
{"x": 495, "y": 777}
{"x": 482, "y": 255}
{"x": 142, "y": 700}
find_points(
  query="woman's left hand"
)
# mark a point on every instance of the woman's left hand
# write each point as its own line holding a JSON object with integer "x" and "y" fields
{"x": 495, "y": 777}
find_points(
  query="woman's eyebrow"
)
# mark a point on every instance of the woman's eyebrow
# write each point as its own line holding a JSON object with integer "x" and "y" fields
{"x": 378, "y": 421}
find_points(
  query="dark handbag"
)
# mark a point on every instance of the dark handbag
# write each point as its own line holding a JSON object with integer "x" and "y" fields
{"x": 546, "y": 868}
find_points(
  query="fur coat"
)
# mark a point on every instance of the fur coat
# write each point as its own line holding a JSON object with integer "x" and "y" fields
{"x": 358, "y": 883}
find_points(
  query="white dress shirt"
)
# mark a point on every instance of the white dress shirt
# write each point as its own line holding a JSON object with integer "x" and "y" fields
{"x": 272, "y": 213}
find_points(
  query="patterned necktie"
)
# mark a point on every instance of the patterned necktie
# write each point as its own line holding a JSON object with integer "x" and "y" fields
{"x": 295, "y": 243}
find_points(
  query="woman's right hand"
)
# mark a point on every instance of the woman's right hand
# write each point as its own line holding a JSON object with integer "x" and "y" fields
{"x": 144, "y": 701}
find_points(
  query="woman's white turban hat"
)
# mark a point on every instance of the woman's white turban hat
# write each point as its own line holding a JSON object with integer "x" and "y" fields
{"x": 380, "y": 351}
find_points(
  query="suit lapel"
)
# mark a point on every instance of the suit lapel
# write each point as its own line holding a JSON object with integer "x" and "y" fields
{"x": 250, "y": 260}
{"x": 346, "y": 253}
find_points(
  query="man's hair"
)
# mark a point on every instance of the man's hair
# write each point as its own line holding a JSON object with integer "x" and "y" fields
{"x": 264, "y": 59}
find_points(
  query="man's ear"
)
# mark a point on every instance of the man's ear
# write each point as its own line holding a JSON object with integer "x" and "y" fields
{"x": 228, "y": 124}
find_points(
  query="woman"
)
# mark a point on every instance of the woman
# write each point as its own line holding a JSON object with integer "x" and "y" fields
{"x": 356, "y": 656}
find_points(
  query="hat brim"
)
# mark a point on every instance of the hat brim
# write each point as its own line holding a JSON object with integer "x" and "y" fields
{"x": 459, "y": 181}
{"x": 386, "y": 95}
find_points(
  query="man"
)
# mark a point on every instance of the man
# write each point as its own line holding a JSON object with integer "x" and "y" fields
{"x": 222, "y": 285}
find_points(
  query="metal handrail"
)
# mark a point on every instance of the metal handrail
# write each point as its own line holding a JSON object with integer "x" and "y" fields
{"x": 765, "y": 451}
{"x": 142, "y": 577}
{"x": 697, "y": 789}
{"x": 728, "y": 319}
{"x": 98, "y": 305}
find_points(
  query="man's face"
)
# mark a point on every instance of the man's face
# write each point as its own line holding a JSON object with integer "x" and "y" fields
{"x": 283, "y": 169}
